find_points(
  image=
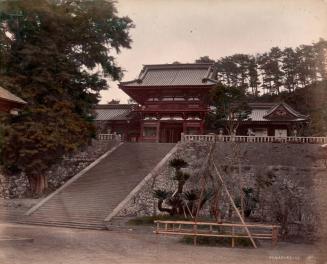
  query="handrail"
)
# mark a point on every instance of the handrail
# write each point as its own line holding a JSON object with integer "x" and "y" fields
{"x": 109, "y": 137}
{"x": 192, "y": 228}
{"x": 253, "y": 139}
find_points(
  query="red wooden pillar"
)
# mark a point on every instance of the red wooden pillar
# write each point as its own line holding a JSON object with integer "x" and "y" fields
{"x": 202, "y": 127}
{"x": 141, "y": 131}
{"x": 184, "y": 127}
{"x": 158, "y": 132}
{"x": 127, "y": 128}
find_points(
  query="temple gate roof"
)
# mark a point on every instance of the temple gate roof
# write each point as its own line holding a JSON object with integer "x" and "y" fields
{"x": 192, "y": 74}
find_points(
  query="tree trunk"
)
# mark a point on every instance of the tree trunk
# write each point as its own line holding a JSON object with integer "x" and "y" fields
{"x": 38, "y": 184}
{"x": 180, "y": 186}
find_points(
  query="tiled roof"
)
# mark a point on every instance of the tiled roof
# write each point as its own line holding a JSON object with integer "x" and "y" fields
{"x": 261, "y": 111}
{"x": 257, "y": 115}
{"x": 288, "y": 108}
{"x": 8, "y": 96}
{"x": 174, "y": 75}
{"x": 113, "y": 112}
{"x": 262, "y": 105}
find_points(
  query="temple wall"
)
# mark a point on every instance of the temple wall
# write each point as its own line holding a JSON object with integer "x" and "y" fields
{"x": 17, "y": 186}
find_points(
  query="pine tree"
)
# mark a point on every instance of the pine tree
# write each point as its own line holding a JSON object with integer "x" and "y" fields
{"x": 253, "y": 76}
{"x": 290, "y": 61}
{"x": 231, "y": 107}
{"x": 320, "y": 50}
{"x": 306, "y": 68}
{"x": 266, "y": 76}
{"x": 275, "y": 56}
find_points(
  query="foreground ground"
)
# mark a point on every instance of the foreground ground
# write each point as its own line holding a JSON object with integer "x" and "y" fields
{"x": 69, "y": 246}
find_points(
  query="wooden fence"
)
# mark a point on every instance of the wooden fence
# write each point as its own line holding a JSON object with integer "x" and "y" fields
{"x": 254, "y": 139}
{"x": 224, "y": 230}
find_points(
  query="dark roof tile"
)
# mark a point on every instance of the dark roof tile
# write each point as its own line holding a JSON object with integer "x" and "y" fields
{"x": 111, "y": 112}
{"x": 174, "y": 75}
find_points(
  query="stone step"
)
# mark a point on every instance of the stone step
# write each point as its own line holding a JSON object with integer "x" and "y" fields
{"x": 79, "y": 225}
{"x": 86, "y": 202}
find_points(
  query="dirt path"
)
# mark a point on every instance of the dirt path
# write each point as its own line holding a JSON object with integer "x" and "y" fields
{"x": 69, "y": 246}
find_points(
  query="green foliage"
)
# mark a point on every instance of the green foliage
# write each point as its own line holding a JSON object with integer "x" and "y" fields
{"x": 114, "y": 102}
{"x": 231, "y": 107}
{"x": 56, "y": 58}
{"x": 204, "y": 59}
{"x": 181, "y": 202}
{"x": 181, "y": 176}
{"x": 178, "y": 163}
{"x": 191, "y": 195}
{"x": 161, "y": 194}
{"x": 274, "y": 71}
{"x": 310, "y": 100}
{"x": 249, "y": 199}
{"x": 269, "y": 63}
{"x": 175, "y": 202}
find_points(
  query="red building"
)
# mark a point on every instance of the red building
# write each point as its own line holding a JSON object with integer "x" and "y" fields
{"x": 172, "y": 100}
{"x": 273, "y": 119}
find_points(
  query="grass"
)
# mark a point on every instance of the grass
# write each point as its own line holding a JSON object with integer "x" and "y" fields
{"x": 217, "y": 241}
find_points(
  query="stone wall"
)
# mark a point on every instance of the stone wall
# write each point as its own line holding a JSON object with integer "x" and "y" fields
{"x": 294, "y": 170}
{"x": 17, "y": 186}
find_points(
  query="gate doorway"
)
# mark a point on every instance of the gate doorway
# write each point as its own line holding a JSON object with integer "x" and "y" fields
{"x": 170, "y": 132}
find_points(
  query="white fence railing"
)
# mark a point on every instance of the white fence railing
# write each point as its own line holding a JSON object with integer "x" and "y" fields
{"x": 253, "y": 139}
{"x": 109, "y": 137}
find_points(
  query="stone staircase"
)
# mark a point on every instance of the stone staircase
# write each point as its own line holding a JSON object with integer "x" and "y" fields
{"x": 12, "y": 210}
{"x": 86, "y": 202}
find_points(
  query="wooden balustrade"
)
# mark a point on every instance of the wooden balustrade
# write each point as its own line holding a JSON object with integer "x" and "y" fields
{"x": 253, "y": 139}
{"x": 109, "y": 137}
{"x": 211, "y": 229}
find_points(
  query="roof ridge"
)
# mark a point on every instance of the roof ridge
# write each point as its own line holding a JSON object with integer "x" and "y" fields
{"x": 287, "y": 107}
{"x": 114, "y": 106}
{"x": 177, "y": 65}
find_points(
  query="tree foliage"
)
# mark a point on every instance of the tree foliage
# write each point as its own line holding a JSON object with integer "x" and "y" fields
{"x": 274, "y": 71}
{"x": 310, "y": 100}
{"x": 55, "y": 55}
{"x": 183, "y": 203}
{"x": 231, "y": 107}
{"x": 204, "y": 59}
{"x": 113, "y": 102}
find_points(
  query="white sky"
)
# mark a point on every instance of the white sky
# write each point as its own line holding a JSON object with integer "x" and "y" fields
{"x": 184, "y": 30}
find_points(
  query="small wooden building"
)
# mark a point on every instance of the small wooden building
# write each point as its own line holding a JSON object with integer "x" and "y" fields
{"x": 273, "y": 119}
{"x": 9, "y": 102}
{"x": 119, "y": 119}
